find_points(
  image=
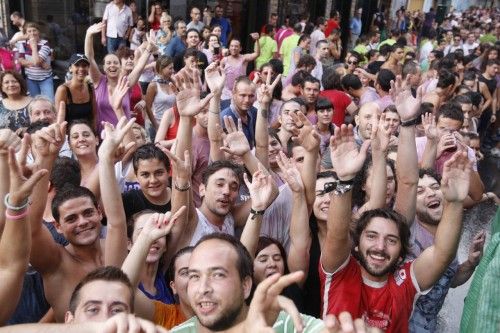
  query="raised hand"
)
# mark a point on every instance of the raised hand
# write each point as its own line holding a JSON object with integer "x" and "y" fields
{"x": 381, "y": 134}
{"x": 215, "y": 77}
{"x": 346, "y": 158}
{"x": 20, "y": 186}
{"x": 408, "y": 106}
{"x": 476, "y": 248}
{"x": 95, "y": 28}
{"x": 290, "y": 173}
{"x": 265, "y": 94}
{"x": 151, "y": 42}
{"x": 429, "y": 123}
{"x": 180, "y": 168}
{"x": 304, "y": 133}
{"x": 267, "y": 302}
{"x": 8, "y": 139}
{"x": 261, "y": 188}
{"x": 236, "y": 143}
{"x": 120, "y": 91}
{"x": 187, "y": 88}
{"x": 345, "y": 324}
{"x": 112, "y": 146}
{"x": 49, "y": 140}
{"x": 159, "y": 225}
{"x": 446, "y": 142}
{"x": 456, "y": 177}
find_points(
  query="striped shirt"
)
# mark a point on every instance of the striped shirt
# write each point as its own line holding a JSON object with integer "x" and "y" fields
{"x": 37, "y": 73}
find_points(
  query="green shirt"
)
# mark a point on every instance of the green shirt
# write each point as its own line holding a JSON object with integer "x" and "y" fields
{"x": 286, "y": 49}
{"x": 268, "y": 47}
{"x": 488, "y": 38}
{"x": 283, "y": 324}
{"x": 389, "y": 41}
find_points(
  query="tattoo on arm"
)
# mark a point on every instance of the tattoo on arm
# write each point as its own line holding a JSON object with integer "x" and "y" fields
{"x": 264, "y": 113}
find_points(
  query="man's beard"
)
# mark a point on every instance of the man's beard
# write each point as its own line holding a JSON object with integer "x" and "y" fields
{"x": 227, "y": 320}
{"x": 390, "y": 268}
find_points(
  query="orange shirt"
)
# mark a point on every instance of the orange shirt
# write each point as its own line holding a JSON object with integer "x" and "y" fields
{"x": 168, "y": 315}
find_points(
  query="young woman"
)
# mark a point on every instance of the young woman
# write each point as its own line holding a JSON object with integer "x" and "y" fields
{"x": 105, "y": 83}
{"x": 154, "y": 16}
{"x": 78, "y": 93}
{"x": 212, "y": 48}
{"x": 83, "y": 142}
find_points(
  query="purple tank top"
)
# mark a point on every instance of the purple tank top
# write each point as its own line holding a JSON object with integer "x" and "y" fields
{"x": 104, "y": 110}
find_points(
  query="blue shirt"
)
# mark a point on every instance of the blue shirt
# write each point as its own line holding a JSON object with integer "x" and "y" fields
{"x": 226, "y": 28}
{"x": 355, "y": 26}
{"x": 249, "y": 127}
{"x": 163, "y": 294}
{"x": 175, "y": 47}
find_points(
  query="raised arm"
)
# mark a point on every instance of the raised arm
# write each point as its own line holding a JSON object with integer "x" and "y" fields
{"x": 256, "y": 49}
{"x": 306, "y": 136}
{"x": 265, "y": 97}
{"x": 408, "y": 109}
{"x": 110, "y": 150}
{"x": 300, "y": 234}
{"x": 157, "y": 226}
{"x": 7, "y": 139}
{"x": 261, "y": 194}
{"x": 215, "y": 78}
{"x": 151, "y": 47}
{"x": 433, "y": 142}
{"x": 45, "y": 254}
{"x": 431, "y": 264}
{"x": 347, "y": 161}
{"x": 15, "y": 242}
{"x": 95, "y": 73}
{"x": 466, "y": 269}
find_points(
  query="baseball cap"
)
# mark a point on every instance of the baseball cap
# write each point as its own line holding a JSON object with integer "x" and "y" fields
{"x": 77, "y": 57}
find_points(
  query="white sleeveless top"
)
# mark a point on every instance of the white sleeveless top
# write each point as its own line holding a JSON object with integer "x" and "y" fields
{"x": 162, "y": 102}
{"x": 204, "y": 227}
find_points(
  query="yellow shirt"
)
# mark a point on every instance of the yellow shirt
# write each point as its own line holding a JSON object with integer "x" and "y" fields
{"x": 286, "y": 49}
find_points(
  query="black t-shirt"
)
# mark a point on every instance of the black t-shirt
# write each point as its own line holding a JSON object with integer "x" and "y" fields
{"x": 311, "y": 289}
{"x": 135, "y": 201}
{"x": 201, "y": 59}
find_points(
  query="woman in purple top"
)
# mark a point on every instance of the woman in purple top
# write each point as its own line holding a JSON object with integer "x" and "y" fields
{"x": 106, "y": 82}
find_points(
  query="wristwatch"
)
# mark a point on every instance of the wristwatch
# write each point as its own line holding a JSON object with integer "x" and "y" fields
{"x": 343, "y": 186}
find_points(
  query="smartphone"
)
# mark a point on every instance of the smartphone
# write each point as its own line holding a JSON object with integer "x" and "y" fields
{"x": 216, "y": 50}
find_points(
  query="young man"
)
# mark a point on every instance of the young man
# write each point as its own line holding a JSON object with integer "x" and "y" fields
{"x": 195, "y": 23}
{"x": 224, "y": 23}
{"x": 376, "y": 273}
{"x": 393, "y": 63}
{"x": 287, "y": 47}
{"x": 117, "y": 23}
{"x": 268, "y": 46}
{"x": 353, "y": 86}
{"x": 317, "y": 35}
{"x": 310, "y": 92}
{"x": 322, "y": 54}
{"x": 383, "y": 86}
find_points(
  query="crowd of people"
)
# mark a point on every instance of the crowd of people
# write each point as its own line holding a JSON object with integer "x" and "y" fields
{"x": 184, "y": 184}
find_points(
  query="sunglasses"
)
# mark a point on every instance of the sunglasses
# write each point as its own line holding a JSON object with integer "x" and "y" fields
{"x": 328, "y": 188}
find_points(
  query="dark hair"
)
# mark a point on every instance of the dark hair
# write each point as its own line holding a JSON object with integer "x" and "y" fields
{"x": 171, "y": 268}
{"x": 19, "y": 78}
{"x": 451, "y": 111}
{"x": 69, "y": 192}
{"x": 461, "y": 99}
{"x": 326, "y": 174}
{"x": 297, "y": 28}
{"x": 438, "y": 54}
{"x": 331, "y": 80}
{"x": 385, "y": 49}
{"x": 358, "y": 193}
{"x": 244, "y": 264}
{"x": 273, "y": 133}
{"x": 298, "y": 78}
{"x": 302, "y": 38}
{"x": 268, "y": 28}
{"x": 278, "y": 89}
{"x": 475, "y": 97}
{"x": 219, "y": 165}
{"x": 124, "y": 52}
{"x": 386, "y": 213}
{"x": 106, "y": 273}
{"x": 351, "y": 81}
{"x": 429, "y": 172}
{"x": 446, "y": 79}
{"x": 384, "y": 78}
{"x": 148, "y": 152}
{"x": 426, "y": 107}
{"x": 277, "y": 65}
{"x": 310, "y": 79}
{"x": 193, "y": 30}
{"x": 242, "y": 79}
{"x": 321, "y": 41}
{"x": 323, "y": 103}
{"x": 65, "y": 171}
{"x": 264, "y": 242}
{"x": 162, "y": 62}
{"x": 80, "y": 122}
{"x": 306, "y": 60}
{"x": 131, "y": 220}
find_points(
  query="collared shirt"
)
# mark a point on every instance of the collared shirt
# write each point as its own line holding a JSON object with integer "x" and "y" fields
{"x": 118, "y": 20}
{"x": 248, "y": 127}
{"x": 198, "y": 26}
{"x": 175, "y": 47}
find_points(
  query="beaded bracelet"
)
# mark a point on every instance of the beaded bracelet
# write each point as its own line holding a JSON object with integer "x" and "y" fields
{"x": 14, "y": 208}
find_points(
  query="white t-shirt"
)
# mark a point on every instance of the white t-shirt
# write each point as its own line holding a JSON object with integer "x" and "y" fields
{"x": 204, "y": 227}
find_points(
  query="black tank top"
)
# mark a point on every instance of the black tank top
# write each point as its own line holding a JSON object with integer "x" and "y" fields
{"x": 491, "y": 83}
{"x": 81, "y": 110}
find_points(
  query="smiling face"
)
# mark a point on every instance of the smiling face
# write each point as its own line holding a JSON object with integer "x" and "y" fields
{"x": 192, "y": 39}
{"x": 267, "y": 262}
{"x": 221, "y": 191}
{"x": 79, "y": 221}
{"x": 216, "y": 291}
{"x": 235, "y": 48}
{"x": 379, "y": 248}
{"x": 127, "y": 64}
{"x": 80, "y": 70}
{"x": 322, "y": 200}
{"x": 82, "y": 140}
{"x": 429, "y": 207}
{"x": 274, "y": 149}
{"x": 181, "y": 277}
{"x": 391, "y": 185}
{"x": 152, "y": 176}
{"x": 112, "y": 66}
{"x": 100, "y": 300}
{"x": 10, "y": 85}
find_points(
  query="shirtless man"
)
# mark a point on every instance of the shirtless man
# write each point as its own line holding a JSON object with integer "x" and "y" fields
{"x": 394, "y": 61}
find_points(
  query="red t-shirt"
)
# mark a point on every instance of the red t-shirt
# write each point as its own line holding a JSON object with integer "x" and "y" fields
{"x": 387, "y": 305}
{"x": 340, "y": 101}
{"x": 136, "y": 97}
{"x": 331, "y": 25}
